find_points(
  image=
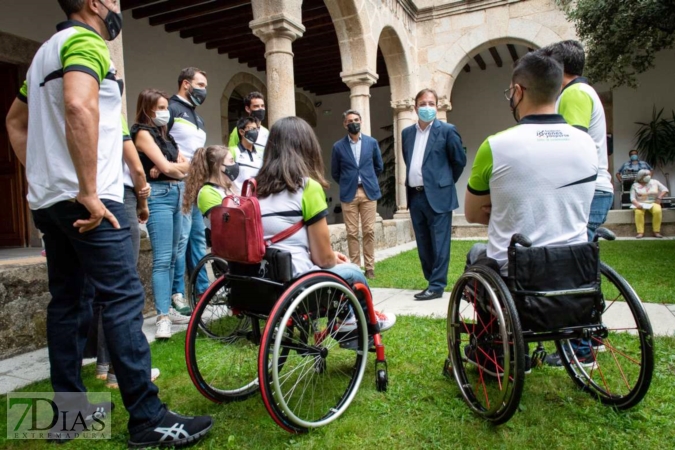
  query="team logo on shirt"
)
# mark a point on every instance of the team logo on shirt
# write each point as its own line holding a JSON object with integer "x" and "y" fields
{"x": 552, "y": 135}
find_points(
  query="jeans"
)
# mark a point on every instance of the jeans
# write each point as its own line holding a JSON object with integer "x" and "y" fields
{"x": 130, "y": 203}
{"x": 352, "y": 274}
{"x": 164, "y": 227}
{"x": 191, "y": 249}
{"x": 601, "y": 204}
{"x": 99, "y": 260}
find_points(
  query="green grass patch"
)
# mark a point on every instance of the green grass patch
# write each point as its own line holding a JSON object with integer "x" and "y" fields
{"x": 422, "y": 409}
{"x": 646, "y": 265}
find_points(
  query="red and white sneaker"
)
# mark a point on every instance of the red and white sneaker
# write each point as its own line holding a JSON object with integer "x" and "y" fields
{"x": 386, "y": 321}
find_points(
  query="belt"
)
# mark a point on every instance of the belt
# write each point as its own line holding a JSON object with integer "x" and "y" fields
{"x": 417, "y": 188}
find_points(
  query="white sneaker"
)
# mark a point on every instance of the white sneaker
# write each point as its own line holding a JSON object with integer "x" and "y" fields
{"x": 163, "y": 330}
{"x": 386, "y": 321}
{"x": 154, "y": 374}
{"x": 177, "y": 318}
{"x": 180, "y": 304}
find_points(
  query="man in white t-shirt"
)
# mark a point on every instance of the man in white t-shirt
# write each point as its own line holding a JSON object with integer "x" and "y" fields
{"x": 537, "y": 178}
{"x": 581, "y": 107}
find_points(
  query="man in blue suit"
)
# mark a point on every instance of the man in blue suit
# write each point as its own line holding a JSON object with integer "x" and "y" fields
{"x": 355, "y": 164}
{"x": 435, "y": 159}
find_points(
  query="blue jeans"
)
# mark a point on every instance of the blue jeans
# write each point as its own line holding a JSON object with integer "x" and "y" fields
{"x": 601, "y": 204}
{"x": 164, "y": 227}
{"x": 352, "y": 274}
{"x": 99, "y": 260}
{"x": 191, "y": 249}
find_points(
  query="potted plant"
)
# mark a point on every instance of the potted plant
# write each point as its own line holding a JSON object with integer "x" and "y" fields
{"x": 655, "y": 141}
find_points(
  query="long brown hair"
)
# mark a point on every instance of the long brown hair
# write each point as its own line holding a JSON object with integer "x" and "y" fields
{"x": 205, "y": 163}
{"x": 291, "y": 154}
{"x": 147, "y": 102}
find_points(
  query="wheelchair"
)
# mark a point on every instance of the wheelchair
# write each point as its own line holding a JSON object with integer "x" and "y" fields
{"x": 258, "y": 328}
{"x": 560, "y": 294}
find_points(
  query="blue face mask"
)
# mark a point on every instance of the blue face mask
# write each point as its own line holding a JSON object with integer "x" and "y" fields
{"x": 426, "y": 113}
{"x": 633, "y": 157}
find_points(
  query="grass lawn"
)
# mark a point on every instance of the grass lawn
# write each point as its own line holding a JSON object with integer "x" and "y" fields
{"x": 646, "y": 265}
{"x": 422, "y": 409}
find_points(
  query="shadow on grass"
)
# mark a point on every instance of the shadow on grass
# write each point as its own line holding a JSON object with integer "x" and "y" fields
{"x": 422, "y": 408}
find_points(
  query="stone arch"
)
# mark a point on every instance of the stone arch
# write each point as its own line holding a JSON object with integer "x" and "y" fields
{"x": 517, "y": 31}
{"x": 352, "y": 33}
{"x": 397, "y": 61}
{"x": 304, "y": 108}
{"x": 238, "y": 81}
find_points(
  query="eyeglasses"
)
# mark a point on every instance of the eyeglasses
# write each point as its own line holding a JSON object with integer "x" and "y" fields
{"x": 507, "y": 92}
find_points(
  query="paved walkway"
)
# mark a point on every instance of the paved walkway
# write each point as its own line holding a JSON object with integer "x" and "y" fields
{"x": 34, "y": 366}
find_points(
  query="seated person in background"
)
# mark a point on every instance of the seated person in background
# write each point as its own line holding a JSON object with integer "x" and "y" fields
{"x": 632, "y": 166}
{"x": 291, "y": 188}
{"x": 537, "y": 178}
{"x": 646, "y": 195}
{"x": 211, "y": 179}
{"x": 246, "y": 153}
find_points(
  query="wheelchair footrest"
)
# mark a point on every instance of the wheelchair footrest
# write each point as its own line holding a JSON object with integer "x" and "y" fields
{"x": 352, "y": 342}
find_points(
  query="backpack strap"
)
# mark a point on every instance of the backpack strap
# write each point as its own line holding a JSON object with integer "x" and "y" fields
{"x": 288, "y": 232}
{"x": 249, "y": 188}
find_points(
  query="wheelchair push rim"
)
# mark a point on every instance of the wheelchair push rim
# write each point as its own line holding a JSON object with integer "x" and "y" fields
{"x": 222, "y": 362}
{"x": 621, "y": 374}
{"x": 491, "y": 384}
{"x": 311, "y": 378}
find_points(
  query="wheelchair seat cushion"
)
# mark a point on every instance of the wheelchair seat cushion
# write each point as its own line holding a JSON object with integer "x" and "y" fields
{"x": 545, "y": 269}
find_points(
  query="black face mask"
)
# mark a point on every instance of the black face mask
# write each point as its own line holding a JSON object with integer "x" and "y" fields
{"x": 251, "y": 136}
{"x": 354, "y": 128}
{"x": 232, "y": 172}
{"x": 112, "y": 22}
{"x": 258, "y": 114}
{"x": 514, "y": 109}
{"x": 197, "y": 95}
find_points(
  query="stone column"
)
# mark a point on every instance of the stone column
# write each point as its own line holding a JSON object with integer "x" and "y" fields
{"x": 360, "y": 83}
{"x": 443, "y": 107}
{"x": 404, "y": 116}
{"x": 278, "y": 33}
{"x": 116, "y": 49}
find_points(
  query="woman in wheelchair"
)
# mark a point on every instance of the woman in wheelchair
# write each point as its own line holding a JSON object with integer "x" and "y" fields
{"x": 290, "y": 188}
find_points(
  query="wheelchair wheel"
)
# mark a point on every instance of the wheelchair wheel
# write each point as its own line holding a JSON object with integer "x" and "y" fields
{"x": 221, "y": 349}
{"x": 214, "y": 266}
{"x": 620, "y": 374}
{"x": 485, "y": 343}
{"x": 309, "y": 376}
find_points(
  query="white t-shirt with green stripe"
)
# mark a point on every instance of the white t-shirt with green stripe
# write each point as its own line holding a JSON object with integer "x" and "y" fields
{"x": 582, "y": 108}
{"x": 49, "y": 169}
{"x": 540, "y": 176}
{"x": 281, "y": 211}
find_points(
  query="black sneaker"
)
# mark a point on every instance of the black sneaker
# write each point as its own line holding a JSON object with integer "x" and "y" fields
{"x": 586, "y": 360}
{"x": 174, "y": 430}
{"x": 487, "y": 365}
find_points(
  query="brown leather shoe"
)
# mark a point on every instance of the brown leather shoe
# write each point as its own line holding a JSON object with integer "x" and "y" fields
{"x": 370, "y": 274}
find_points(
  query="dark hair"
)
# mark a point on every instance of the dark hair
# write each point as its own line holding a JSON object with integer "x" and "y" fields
{"x": 251, "y": 96}
{"x": 241, "y": 123}
{"x": 541, "y": 74}
{"x": 71, "y": 7}
{"x": 291, "y": 154}
{"x": 426, "y": 91}
{"x": 349, "y": 112}
{"x": 147, "y": 100}
{"x": 571, "y": 54}
{"x": 631, "y": 151}
{"x": 189, "y": 74}
{"x": 205, "y": 163}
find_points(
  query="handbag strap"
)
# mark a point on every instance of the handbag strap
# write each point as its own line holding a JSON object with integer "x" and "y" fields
{"x": 288, "y": 232}
{"x": 249, "y": 188}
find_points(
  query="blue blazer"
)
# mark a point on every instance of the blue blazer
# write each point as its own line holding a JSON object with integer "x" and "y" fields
{"x": 443, "y": 163}
{"x": 346, "y": 171}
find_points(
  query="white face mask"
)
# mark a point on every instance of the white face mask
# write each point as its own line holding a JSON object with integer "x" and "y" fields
{"x": 161, "y": 117}
{"x": 646, "y": 179}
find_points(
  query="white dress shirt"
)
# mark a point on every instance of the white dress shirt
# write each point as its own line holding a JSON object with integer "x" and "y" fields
{"x": 356, "y": 151}
{"x": 415, "y": 173}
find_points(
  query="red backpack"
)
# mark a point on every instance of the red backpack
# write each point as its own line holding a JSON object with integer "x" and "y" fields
{"x": 236, "y": 228}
